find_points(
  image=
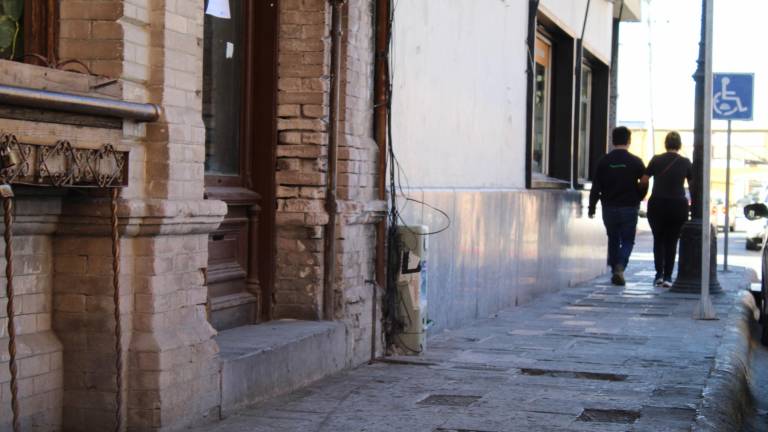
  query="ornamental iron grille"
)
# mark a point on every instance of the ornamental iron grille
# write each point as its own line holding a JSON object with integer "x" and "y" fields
{"x": 62, "y": 165}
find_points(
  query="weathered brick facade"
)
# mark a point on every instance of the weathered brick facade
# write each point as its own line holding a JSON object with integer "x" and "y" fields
{"x": 303, "y": 98}
{"x": 62, "y": 244}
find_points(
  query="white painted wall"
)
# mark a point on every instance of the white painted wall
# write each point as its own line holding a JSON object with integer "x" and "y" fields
{"x": 569, "y": 15}
{"x": 459, "y": 92}
{"x": 460, "y": 86}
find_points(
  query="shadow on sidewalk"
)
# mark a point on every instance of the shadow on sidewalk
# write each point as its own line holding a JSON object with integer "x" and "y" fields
{"x": 593, "y": 357}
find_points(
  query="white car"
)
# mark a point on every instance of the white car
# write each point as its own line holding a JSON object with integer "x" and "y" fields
{"x": 755, "y": 232}
{"x": 718, "y": 215}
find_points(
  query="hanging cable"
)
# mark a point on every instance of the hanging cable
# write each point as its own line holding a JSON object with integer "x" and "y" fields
{"x": 8, "y": 235}
{"x": 118, "y": 324}
{"x": 394, "y": 321}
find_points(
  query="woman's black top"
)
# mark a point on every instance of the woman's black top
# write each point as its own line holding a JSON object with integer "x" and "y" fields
{"x": 669, "y": 171}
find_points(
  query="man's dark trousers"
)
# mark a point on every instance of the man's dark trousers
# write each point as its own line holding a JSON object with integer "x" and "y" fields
{"x": 620, "y": 225}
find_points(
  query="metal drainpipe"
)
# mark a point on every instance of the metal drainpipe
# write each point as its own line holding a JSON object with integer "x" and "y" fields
{"x": 331, "y": 205}
{"x": 381, "y": 97}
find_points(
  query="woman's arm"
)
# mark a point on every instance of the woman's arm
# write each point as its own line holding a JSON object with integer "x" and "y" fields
{"x": 643, "y": 186}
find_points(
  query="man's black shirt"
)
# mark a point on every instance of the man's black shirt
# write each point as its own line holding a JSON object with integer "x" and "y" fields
{"x": 615, "y": 181}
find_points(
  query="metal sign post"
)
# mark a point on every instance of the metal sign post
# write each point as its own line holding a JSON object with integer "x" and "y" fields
{"x": 704, "y": 309}
{"x": 732, "y": 100}
{"x": 727, "y": 225}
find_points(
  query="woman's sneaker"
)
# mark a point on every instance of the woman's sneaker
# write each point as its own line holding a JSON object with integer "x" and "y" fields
{"x": 659, "y": 281}
{"x": 667, "y": 284}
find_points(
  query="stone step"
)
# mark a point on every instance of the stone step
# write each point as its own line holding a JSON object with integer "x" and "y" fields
{"x": 266, "y": 360}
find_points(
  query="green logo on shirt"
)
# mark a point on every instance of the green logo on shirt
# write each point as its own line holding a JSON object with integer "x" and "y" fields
{"x": 617, "y": 166}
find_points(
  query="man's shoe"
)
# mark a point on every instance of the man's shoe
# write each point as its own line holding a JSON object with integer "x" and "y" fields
{"x": 618, "y": 276}
{"x": 659, "y": 282}
{"x": 667, "y": 284}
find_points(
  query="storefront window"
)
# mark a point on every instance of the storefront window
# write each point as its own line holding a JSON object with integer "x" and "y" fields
{"x": 541, "y": 108}
{"x": 585, "y": 115}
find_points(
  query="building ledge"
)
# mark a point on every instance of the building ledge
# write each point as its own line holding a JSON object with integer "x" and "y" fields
{"x": 627, "y": 10}
{"x": 262, "y": 361}
{"x": 544, "y": 182}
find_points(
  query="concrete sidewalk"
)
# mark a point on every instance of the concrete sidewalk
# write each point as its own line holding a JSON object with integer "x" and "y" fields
{"x": 589, "y": 358}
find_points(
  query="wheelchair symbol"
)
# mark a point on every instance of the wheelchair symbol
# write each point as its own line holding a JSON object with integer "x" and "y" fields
{"x": 726, "y": 102}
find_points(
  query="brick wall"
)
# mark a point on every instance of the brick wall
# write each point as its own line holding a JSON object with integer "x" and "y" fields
{"x": 82, "y": 318}
{"x": 172, "y": 370}
{"x": 171, "y": 380}
{"x": 303, "y": 111}
{"x": 303, "y": 84}
{"x": 175, "y": 144}
{"x": 172, "y": 374}
{"x": 39, "y": 354}
{"x": 358, "y": 158}
{"x": 42, "y": 380}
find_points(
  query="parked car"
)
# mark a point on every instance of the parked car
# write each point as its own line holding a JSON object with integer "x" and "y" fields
{"x": 755, "y": 236}
{"x": 756, "y": 231}
{"x": 718, "y": 215}
{"x": 755, "y": 212}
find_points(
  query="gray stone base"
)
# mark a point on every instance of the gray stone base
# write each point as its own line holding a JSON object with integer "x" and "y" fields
{"x": 262, "y": 361}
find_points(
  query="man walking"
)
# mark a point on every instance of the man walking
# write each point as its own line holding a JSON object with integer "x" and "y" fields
{"x": 616, "y": 184}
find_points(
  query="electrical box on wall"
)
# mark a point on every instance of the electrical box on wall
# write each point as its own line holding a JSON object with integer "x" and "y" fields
{"x": 412, "y": 289}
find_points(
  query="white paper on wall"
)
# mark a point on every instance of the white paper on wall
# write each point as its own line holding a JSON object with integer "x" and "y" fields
{"x": 230, "y": 50}
{"x": 218, "y": 8}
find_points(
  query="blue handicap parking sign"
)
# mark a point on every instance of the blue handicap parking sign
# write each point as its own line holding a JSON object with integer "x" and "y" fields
{"x": 732, "y": 96}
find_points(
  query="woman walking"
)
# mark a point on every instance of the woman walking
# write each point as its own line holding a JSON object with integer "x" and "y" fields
{"x": 668, "y": 205}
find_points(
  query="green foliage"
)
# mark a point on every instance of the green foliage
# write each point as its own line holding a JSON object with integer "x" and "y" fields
{"x": 13, "y": 9}
{"x": 7, "y": 33}
{"x": 10, "y": 17}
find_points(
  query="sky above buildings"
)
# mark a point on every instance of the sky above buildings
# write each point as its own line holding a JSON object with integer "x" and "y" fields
{"x": 658, "y": 57}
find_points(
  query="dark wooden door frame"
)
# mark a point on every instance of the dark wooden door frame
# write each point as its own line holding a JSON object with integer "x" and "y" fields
{"x": 258, "y": 139}
{"x": 262, "y": 45}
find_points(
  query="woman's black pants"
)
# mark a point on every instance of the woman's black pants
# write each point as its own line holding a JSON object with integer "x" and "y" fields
{"x": 666, "y": 217}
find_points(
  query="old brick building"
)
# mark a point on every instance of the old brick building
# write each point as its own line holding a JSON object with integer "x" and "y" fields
{"x": 222, "y": 219}
{"x": 245, "y": 119}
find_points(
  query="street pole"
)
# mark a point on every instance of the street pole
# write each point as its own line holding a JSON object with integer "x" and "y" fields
{"x": 689, "y": 274}
{"x": 704, "y": 309}
{"x": 727, "y": 226}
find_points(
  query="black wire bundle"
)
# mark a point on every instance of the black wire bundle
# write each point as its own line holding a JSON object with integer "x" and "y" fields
{"x": 393, "y": 322}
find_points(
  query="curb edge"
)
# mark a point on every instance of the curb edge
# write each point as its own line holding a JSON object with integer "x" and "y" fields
{"x": 726, "y": 396}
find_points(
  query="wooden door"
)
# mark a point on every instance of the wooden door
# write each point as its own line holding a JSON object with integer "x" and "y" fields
{"x": 239, "y": 92}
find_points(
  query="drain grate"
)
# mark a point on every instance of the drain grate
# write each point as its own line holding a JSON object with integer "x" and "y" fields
{"x": 608, "y": 416}
{"x": 449, "y": 400}
{"x": 460, "y": 430}
{"x": 480, "y": 367}
{"x": 395, "y": 361}
{"x": 655, "y": 314}
{"x": 677, "y": 391}
{"x": 573, "y": 374}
